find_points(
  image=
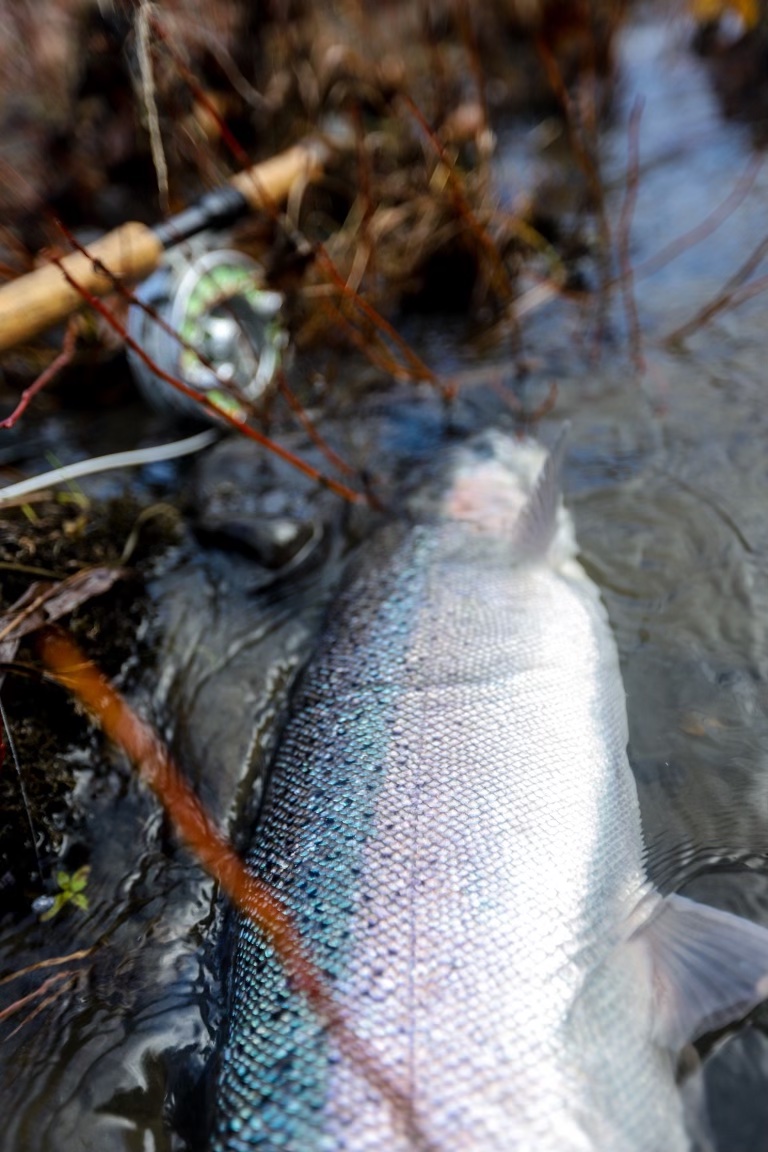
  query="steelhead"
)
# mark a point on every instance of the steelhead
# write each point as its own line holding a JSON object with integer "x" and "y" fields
{"x": 454, "y": 825}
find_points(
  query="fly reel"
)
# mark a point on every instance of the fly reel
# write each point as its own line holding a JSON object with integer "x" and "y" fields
{"x": 220, "y": 331}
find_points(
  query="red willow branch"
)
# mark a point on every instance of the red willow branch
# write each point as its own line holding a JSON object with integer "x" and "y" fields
{"x": 464, "y": 210}
{"x": 44, "y": 379}
{"x": 252, "y": 896}
{"x": 309, "y": 426}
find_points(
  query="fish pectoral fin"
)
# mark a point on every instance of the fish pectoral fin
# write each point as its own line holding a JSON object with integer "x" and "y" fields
{"x": 708, "y": 967}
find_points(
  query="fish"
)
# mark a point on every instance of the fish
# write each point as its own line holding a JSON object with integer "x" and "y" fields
{"x": 453, "y": 824}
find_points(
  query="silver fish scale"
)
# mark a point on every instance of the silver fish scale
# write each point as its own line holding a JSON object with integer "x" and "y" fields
{"x": 454, "y": 824}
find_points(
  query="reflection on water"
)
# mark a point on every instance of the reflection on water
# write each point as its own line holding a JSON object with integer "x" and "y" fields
{"x": 667, "y": 476}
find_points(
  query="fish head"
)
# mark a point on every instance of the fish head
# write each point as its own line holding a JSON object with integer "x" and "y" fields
{"x": 504, "y": 491}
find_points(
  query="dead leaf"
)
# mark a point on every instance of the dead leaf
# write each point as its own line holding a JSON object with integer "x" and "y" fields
{"x": 45, "y": 602}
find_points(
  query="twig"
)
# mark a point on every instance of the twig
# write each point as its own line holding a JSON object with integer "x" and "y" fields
{"x": 707, "y": 226}
{"x": 144, "y": 53}
{"x": 580, "y": 146}
{"x": 64, "y": 986}
{"x": 308, "y": 425}
{"x": 251, "y": 895}
{"x": 244, "y": 89}
{"x": 528, "y": 417}
{"x": 726, "y": 297}
{"x": 499, "y": 272}
{"x": 370, "y": 343}
{"x": 192, "y": 83}
{"x": 22, "y": 1002}
{"x": 60, "y": 981}
{"x": 586, "y": 159}
{"x": 81, "y": 954}
{"x": 364, "y": 185}
{"x": 22, "y": 786}
{"x": 44, "y": 379}
{"x": 419, "y": 370}
{"x": 469, "y": 36}
{"x": 25, "y": 613}
{"x": 624, "y": 232}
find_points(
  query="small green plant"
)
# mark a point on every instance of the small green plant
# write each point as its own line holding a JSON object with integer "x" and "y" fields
{"x": 72, "y": 891}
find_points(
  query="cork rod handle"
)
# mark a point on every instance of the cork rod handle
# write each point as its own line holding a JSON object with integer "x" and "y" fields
{"x": 34, "y": 302}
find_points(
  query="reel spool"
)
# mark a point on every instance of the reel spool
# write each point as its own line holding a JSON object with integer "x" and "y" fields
{"x": 215, "y": 301}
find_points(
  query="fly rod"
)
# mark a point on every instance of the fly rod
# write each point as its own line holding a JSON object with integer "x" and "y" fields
{"x": 39, "y": 299}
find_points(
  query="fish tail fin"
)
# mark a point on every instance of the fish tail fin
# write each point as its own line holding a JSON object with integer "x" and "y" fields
{"x": 709, "y": 968}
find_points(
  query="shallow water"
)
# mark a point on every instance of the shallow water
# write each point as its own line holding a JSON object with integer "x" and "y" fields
{"x": 666, "y": 475}
{"x": 667, "y": 478}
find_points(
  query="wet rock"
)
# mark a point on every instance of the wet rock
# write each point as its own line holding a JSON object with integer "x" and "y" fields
{"x": 247, "y": 501}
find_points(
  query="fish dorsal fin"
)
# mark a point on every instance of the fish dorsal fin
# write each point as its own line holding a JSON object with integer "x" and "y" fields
{"x": 709, "y": 967}
{"x": 536, "y": 525}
